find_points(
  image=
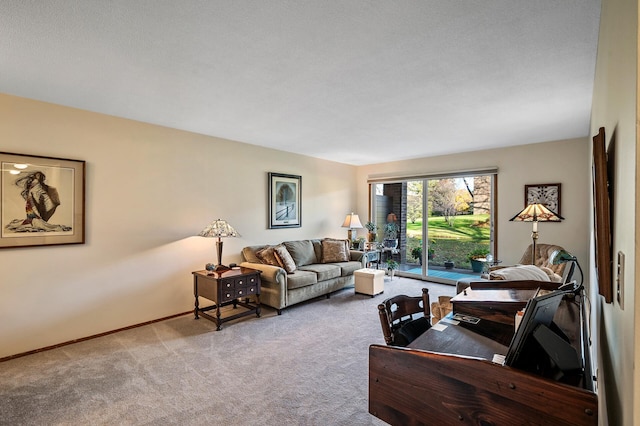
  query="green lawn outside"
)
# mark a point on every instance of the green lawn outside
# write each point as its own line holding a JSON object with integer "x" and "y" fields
{"x": 451, "y": 243}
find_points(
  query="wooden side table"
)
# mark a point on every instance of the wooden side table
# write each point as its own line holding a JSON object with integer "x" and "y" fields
{"x": 227, "y": 288}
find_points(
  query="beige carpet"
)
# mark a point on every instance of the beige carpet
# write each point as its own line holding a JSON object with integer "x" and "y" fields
{"x": 308, "y": 366}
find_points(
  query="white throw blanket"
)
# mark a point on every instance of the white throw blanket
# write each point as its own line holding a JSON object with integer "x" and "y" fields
{"x": 524, "y": 272}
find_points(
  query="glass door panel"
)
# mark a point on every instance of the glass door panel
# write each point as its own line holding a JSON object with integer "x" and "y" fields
{"x": 439, "y": 224}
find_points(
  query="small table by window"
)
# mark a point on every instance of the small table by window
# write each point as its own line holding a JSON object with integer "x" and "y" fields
{"x": 372, "y": 256}
{"x": 488, "y": 263}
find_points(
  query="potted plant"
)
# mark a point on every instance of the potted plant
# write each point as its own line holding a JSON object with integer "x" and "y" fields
{"x": 372, "y": 228}
{"x": 416, "y": 253}
{"x": 392, "y": 265}
{"x": 391, "y": 235}
{"x": 477, "y": 258}
{"x": 358, "y": 244}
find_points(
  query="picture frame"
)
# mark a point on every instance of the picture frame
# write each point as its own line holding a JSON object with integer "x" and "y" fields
{"x": 602, "y": 217}
{"x": 547, "y": 194}
{"x": 42, "y": 200}
{"x": 285, "y": 201}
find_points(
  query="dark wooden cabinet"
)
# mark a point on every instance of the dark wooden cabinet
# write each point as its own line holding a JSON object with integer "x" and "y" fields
{"x": 232, "y": 287}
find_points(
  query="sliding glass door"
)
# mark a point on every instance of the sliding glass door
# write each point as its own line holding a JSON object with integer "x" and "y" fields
{"x": 439, "y": 224}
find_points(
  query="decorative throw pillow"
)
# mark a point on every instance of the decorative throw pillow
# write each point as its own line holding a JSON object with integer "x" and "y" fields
{"x": 301, "y": 251}
{"x": 285, "y": 259}
{"x": 335, "y": 250}
{"x": 249, "y": 253}
{"x": 267, "y": 255}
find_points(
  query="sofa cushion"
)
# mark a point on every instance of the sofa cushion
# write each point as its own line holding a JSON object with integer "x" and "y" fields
{"x": 268, "y": 256}
{"x": 301, "y": 279}
{"x": 348, "y": 268}
{"x": 284, "y": 259}
{"x": 301, "y": 251}
{"x": 323, "y": 271}
{"x": 335, "y": 250}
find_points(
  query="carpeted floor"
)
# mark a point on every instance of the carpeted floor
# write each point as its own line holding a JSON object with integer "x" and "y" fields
{"x": 308, "y": 366}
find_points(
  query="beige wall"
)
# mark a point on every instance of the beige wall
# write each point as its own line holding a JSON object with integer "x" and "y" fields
{"x": 614, "y": 107}
{"x": 149, "y": 191}
{"x": 566, "y": 162}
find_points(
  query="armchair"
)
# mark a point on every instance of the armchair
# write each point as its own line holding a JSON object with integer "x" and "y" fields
{"x": 543, "y": 258}
{"x": 544, "y": 269}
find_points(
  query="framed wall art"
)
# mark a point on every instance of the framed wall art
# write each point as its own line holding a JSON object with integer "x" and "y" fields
{"x": 547, "y": 194}
{"x": 602, "y": 217}
{"x": 285, "y": 201}
{"x": 41, "y": 200}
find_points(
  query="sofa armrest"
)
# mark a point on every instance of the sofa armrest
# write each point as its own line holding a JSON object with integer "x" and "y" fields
{"x": 355, "y": 255}
{"x": 270, "y": 273}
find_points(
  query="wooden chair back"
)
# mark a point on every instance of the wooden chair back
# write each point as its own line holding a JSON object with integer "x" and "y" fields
{"x": 395, "y": 311}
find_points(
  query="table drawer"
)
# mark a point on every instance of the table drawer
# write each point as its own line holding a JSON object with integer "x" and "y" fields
{"x": 247, "y": 291}
{"x": 234, "y": 288}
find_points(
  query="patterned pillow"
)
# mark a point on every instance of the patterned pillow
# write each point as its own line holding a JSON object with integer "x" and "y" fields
{"x": 335, "y": 250}
{"x": 284, "y": 259}
{"x": 267, "y": 255}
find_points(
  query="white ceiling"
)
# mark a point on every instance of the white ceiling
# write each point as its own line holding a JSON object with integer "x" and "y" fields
{"x": 359, "y": 81}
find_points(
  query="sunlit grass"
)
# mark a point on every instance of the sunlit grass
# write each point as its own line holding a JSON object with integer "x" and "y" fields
{"x": 451, "y": 243}
{"x": 465, "y": 228}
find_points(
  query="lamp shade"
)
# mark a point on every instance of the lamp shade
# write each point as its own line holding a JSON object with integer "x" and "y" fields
{"x": 352, "y": 221}
{"x": 537, "y": 213}
{"x": 561, "y": 256}
{"x": 219, "y": 228}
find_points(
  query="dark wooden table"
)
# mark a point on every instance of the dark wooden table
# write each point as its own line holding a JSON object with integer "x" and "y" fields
{"x": 231, "y": 287}
{"x": 465, "y": 340}
{"x": 497, "y": 305}
{"x": 446, "y": 376}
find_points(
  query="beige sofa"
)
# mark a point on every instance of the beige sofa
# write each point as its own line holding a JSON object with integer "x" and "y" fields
{"x": 320, "y": 267}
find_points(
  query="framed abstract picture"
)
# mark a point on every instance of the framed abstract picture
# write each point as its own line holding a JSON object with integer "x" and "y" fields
{"x": 41, "y": 200}
{"x": 285, "y": 201}
{"x": 547, "y": 194}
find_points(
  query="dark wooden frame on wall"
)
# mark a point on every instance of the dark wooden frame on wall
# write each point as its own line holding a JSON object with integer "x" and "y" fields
{"x": 544, "y": 186}
{"x": 51, "y": 210}
{"x": 602, "y": 217}
{"x": 277, "y": 181}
